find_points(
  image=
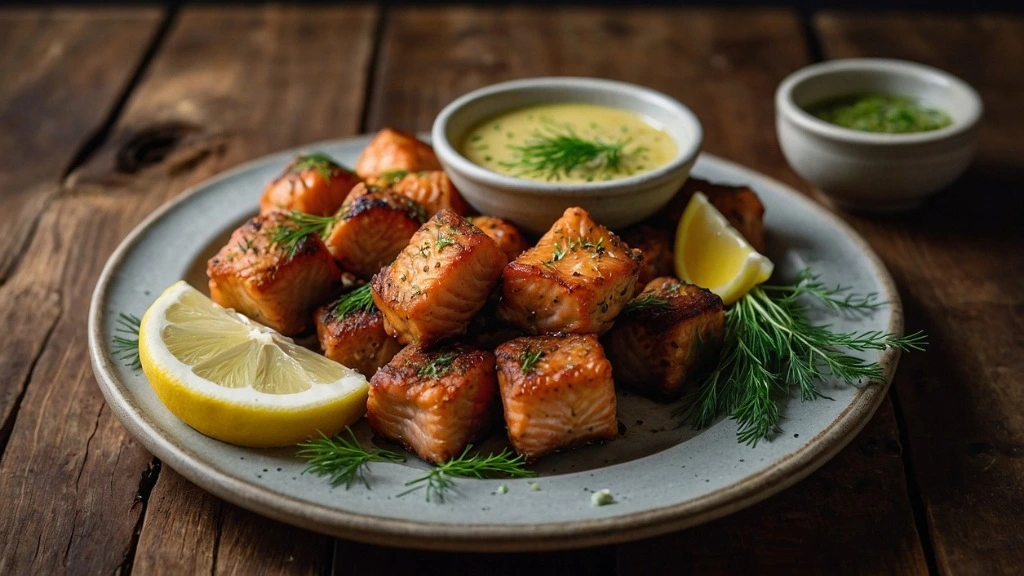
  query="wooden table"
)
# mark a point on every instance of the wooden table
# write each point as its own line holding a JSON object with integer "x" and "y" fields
{"x": 107, "y": 113}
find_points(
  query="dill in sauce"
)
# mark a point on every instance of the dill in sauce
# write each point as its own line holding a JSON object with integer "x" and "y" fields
{"x": 880, "y": 113}
{"x": 569, "y": 143}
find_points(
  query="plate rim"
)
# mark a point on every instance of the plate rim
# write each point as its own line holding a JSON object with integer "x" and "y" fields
{"x": 491, "y": 537}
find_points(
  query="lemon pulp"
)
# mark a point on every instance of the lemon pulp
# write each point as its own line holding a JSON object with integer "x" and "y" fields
{"x": 712, "y": 254}
{"x": 239, "y": 381}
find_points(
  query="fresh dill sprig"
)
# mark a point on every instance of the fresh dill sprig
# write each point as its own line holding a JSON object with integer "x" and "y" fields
{"x": 126, "y": 340}
{"x": 771, "y": 348}
{"x": 290, "y": 233}
{"x": 438, "y": 481}
{"x": 529, "y": 359}
{"x": 438, "y": 365}
{"x": 647, "y": 301}
{"x": 341, "y": 459}
{"x": 556, "y": 151}
{"x": 444, "y": 242}
{"x": 318, "y": 161}
{"x": 358, "y": 300}
{"x": 836, "y": 299}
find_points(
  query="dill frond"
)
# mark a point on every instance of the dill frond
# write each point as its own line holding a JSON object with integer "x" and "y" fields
{"x": 439, "y": 480}
{"x": 342, "y": 460}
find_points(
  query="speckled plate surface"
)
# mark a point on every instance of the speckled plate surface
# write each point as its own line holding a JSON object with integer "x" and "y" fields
{"x": 664, "y": 477}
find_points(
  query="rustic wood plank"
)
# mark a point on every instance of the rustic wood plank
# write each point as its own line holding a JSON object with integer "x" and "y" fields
{"x": 228, "y": 85}
{"x": 61, "y": 71}
{"x": 725, "y": 65}
{"x": 960, "y": 263}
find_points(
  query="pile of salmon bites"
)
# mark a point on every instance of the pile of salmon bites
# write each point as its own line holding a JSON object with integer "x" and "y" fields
{"x": 455, "y": 318}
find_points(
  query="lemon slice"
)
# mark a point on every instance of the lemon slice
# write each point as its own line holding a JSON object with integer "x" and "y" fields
{"x": 239, "y": 381}
{"x": 712, "y": 254}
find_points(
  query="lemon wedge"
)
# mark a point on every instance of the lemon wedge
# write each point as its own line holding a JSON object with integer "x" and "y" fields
{"x": 239, "y": 381}
{"x": 712, "y": 254}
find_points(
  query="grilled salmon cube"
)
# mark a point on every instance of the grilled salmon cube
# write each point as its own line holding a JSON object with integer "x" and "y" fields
{"x": 392, "y": 150}
{"x": 665, "y": 337}
{"x": 372, "y": 227}
{"x": 575, "y": 280}
{"x": 557, "y": 392}
{"x": 739, "y": 204}
{"x": 433, "y": 190}
{"x": 434, "y": 402}
{"x": 355, "y": 338}
{"x": 274, "y": 278}
{"x": 313, "y": 184}
{"x": 656, "y": 245}
{"x": 505, "y": 233}
{"x": 439, "y": 281}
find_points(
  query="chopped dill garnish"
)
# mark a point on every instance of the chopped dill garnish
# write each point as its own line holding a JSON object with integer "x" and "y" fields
{"x": 438, "y": 365}
{"x": 530, "y": 358}
{"x": 438, "y": 481}
{"x": 126, "y": 340}
{"x": 647, "y": 301}
{"x": 393, "y": 176}
{"x": 290, "y": 233}
{"x": 556, "y": 151}
{"x": 444, "y": 242}
{"x": 557, "y": 254}
{"x": 358, "y": 300}
{"x": 771, "y": 348}
{"x": 322, "y": 163}
{"x": 341, "y": 459}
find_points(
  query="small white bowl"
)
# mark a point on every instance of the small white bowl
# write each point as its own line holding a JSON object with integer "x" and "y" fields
{"x": 536, "y": 205}
{"x": 869, "y": 170}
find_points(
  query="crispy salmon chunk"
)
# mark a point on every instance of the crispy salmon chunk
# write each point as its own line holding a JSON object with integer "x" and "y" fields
{"x": 274, "y": 277}
{"x": 576, "y": 279}
{"x": 372, "y": 227}
{"x": 739, "y": 204}
{"x": 312, "y": 184}
{"x": 431, "y": 189}
{"x": 505, "y": 233}
{"x": 557, "y": 392}
{"x": 665, "y": 336}
{"x": 392, "y": 150}
{"x": 656, "y": 245}
{"x": 439, "y": 281}
{"x": 435, "y": 403}
{"x": 354, "y": 336}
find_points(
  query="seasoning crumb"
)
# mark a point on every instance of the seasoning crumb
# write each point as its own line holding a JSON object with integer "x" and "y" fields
{"x": 503, "y": 489}
{"x": 534, "y": 487}
{"x": 602, "y": 498}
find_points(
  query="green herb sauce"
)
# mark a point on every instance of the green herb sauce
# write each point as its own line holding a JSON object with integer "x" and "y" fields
{"x": 880, "y": 113}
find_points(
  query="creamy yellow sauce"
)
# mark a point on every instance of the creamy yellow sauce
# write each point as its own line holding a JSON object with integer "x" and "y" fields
{"x": 569, "y": 143}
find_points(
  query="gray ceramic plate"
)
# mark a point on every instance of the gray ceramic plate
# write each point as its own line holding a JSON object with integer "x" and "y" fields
{"x": 663, "y": 476}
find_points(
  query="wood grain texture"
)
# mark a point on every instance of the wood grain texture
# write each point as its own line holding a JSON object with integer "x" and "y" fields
{"x": 960, "y": 264}
{"x": 61, "y": 71}
{"x": 724, "y": 65}
{"x": 230, "y": 84}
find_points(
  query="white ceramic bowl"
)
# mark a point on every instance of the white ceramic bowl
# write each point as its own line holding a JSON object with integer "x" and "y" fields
{"x": 868, "y": 170}
{"x": 536, "y": 205}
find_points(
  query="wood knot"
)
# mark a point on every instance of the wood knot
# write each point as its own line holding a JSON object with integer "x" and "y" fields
{"x": 152, "y": 145}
